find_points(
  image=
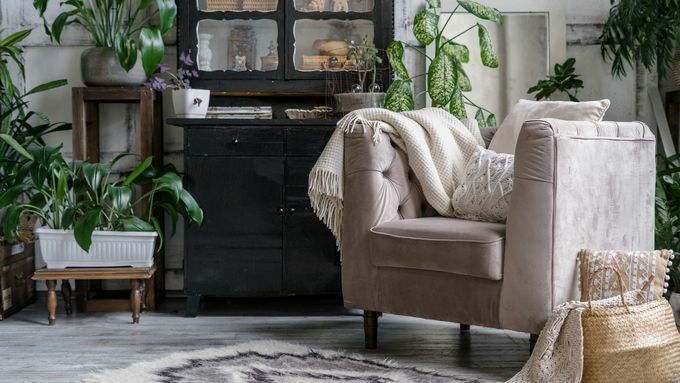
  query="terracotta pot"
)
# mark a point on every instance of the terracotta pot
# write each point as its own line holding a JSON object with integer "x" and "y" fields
{"x": 100, "y": 67}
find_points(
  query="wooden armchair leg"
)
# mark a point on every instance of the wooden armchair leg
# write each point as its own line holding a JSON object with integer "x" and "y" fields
{"x": 371, "y": 329}
{"x": 533, "y": 338}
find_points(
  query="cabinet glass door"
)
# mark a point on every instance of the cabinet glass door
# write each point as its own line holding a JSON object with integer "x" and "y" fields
{"x": 334, "y": 5}
{"x": 238, "y": 45}
{"x": 322, "y": 45}
{"x": 237, "y": 5}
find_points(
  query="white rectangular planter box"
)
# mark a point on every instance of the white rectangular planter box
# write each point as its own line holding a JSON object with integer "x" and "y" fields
{"x": 109, "y": 249}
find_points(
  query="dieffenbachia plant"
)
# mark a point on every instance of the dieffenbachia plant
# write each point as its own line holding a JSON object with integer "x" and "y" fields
{"x": 119, "y": 24}
{"x": 446, "y": 78}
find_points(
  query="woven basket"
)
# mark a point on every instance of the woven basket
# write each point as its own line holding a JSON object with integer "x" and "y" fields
{"x": 630, "y": 344}
{"x": 242, "y": 5}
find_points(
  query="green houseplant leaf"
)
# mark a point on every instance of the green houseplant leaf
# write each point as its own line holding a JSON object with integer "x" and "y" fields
{"x": 120, "y": 197}
{"x": 441, "y": 79}
{"x": 399, "y": 96}
{"x": 488, "y": 53}
{"x": 491, "y": 120}
{"x": 167, "y": 10}
{"x": 191, "y": 206}
{"x": 481, "y": 11}
{"x": 15, "y": 145}
{"x": 395, "y": 55}
{"x": 425, "y": 26}
{"x": 457, "y": 105}
{"x": 434, "y": 3}
{"x": 152, "y": 48}
{"x": 85, "y": 226}
{"x": 479, "y": 116}
{"x": 458, "y": 51}
{"x": 126, "y": 51}
{"x": 133, "y": 223}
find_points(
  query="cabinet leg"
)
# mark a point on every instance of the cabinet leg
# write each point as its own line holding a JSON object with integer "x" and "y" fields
{"x": 464, "y": 327}
{"x": 370, "y": 329}
{"x": 66, "y": 294}
{"x": 135, "y": 299}
{"x": 52, "y": 302}
{"x": 192, "y": 305}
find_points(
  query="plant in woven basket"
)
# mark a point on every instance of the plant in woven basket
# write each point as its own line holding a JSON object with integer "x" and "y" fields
{"x": 564, "y": 80}
{"x": 446, "y": 77}
{"x": 667, "y": 222}
{"x": 641, "y": 30}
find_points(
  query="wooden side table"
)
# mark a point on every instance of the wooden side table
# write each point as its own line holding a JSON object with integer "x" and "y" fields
{"x": 137, "y": 276}
{"x": 86, "y": 101}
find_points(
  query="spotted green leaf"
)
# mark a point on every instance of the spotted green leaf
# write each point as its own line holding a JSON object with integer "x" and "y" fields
{"x": 434, "y": 3}
{"x": 459, "y": 51}
{"x": 441, "y": 79}
{"x": 491, "y": 120}
{"x": 463, "y": 79}
{"x": 481, "y": 11}
{"x": 479, "y": 116}
{"x": 489, "y": 56}
{"x": 457, "y": 105}
{"x": 399, "y": 96}
{"x": 395, "y": 55}
{"x": 425, "y": 26}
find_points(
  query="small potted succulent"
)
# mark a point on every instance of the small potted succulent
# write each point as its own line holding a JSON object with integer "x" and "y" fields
{"x": 89, "y": 221}
{"x": 365, "y": 93}
{"x": 127, "y": 48}
{"x": 186, "y": 101}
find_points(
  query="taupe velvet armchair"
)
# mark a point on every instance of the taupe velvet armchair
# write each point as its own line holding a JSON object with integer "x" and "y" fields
{"x": 577, "y": 185}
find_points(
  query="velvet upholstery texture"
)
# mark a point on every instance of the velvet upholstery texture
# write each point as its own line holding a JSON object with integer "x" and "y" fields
{"x": 577, "y": 184}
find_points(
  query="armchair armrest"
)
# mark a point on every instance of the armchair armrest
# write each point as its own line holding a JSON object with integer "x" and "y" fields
{"x": 577, "y": 185}
{"x": 378, "y": 187}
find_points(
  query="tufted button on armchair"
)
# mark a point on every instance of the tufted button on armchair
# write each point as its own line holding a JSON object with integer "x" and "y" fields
{"x": 577, "y": 184}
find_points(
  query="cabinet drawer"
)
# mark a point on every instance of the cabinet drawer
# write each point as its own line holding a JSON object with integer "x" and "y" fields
{"x": 234, "y": 141}
{"x": 308, "y": 141}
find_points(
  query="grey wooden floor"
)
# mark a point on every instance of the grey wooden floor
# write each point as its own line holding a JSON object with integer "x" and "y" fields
{"x": 30, "y": 351}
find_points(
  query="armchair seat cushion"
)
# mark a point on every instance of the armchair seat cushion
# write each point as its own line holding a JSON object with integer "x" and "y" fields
{"x": 449, "y": 245}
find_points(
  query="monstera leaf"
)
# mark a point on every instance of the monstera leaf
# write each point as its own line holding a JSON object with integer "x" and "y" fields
{"x": 441, "y": 79}
{"x": 399, "y": 96}
{"x": 395, "y": 55}
{"x": 481, "y": 11}
{"x": 425, "y": 26}
{"x": 459, "y": 51}
{"x": 489, "y": 56}
{"x": 457, "y": 105}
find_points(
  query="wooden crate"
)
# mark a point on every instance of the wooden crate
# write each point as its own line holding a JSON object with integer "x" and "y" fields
{"x": 17, "y": 264}
{"x": 242, "y": 5}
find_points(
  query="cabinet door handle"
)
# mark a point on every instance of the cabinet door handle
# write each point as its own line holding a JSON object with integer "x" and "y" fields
{"x": 291, "y": 211}
{"x": 234, "y": 141}
{"x": 280, "y": 211}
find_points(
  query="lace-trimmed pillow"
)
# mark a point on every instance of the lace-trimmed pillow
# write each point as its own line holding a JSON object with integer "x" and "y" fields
{"x": 485, "y": 193}
{"x": 638, "y": 269}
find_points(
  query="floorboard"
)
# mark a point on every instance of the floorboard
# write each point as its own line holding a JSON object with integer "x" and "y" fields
{"x": 31, "y": 351}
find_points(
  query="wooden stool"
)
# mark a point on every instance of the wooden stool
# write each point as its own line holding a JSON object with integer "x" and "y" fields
{"x": 137, "y": 276}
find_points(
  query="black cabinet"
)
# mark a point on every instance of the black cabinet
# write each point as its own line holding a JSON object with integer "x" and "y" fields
{"x": 260, "y": 236}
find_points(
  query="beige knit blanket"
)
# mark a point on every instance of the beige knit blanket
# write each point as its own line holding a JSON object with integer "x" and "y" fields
{"x": 558, "y": 355}
{"x": 436, "y": 144}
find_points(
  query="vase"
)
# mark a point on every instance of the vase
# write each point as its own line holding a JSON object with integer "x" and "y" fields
{"x": 347, "y": 102}
{"x": 675, "y": 304}
{"x": 99, "y": 66}
{"x": 190, "y": 103}
{"x": 60, "y": 250}
{"x": 205, "y": 55}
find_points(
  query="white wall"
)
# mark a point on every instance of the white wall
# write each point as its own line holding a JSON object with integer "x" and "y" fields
{"x": 45, "y": 61}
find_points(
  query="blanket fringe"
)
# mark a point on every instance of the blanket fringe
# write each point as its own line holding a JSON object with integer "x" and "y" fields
{"x": 329, "y": 210}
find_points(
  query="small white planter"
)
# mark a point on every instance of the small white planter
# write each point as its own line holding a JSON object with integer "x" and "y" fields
{"x": 190, "y": 103}
{"x": 109, "y": 249}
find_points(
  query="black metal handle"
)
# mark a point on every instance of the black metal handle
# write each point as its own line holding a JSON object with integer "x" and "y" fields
{"x": 234, "y": 140}
{"x": 291, "y": 211}
{"x": 280, "y": 211}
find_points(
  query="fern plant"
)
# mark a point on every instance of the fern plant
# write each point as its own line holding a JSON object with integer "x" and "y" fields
{"x": 564, "y": 80}
{"x": 645, "y": 30}
{"x": 446, "y": 77}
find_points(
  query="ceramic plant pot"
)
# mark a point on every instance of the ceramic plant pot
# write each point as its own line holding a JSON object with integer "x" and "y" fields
{"x": 59, "y": 249}
{"x": 100, "y": 67}
{"x": 190, "y": 103}
{"x": 347, "y": 102}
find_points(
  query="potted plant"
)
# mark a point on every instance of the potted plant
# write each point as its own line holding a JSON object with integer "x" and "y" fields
{"x": 90, "y": 221}
{"x": 565, "y": 80}
{"x": 667, "y": 225}
{"x": 363, "y": 94}
{"x": 127, "y": 49}
{"x": 186, "y": 101}
{"x": 446, "y": 77}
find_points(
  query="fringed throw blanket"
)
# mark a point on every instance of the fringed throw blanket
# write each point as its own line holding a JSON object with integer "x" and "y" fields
{"x": 558, "y": 355}
{"x": 437, "y": 146}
